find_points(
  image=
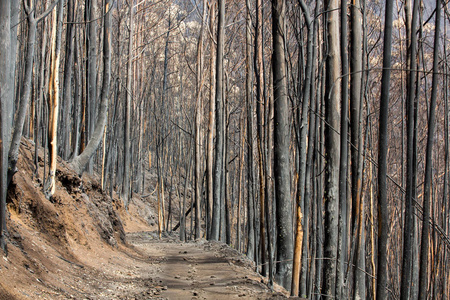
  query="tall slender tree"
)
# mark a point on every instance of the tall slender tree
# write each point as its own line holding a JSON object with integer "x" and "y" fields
{"x": 198, "y": 124}
{"x": 383, "y": 213}
{"x": 53, "y": 104}
{"x": 356, "y": 54}
{"x": 408, "y": 233}
{"x": 300, "y": 249}
{"x": 6, "y": 103}
{"x": 220, "y": 130}
{"x": 424, "y": 249}
{"x": 281, "y": 149}
{"x": 80, "y": 161}
{"x": 332, "y": 148}
{"x": 249, "y": 110}
{"x": 29, "y": 8}
{"x": 129, "y": 99}
{"x": 343, "y": 161}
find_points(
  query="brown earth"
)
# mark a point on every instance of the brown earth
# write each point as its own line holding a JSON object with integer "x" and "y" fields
{"x": 82, "y": 244}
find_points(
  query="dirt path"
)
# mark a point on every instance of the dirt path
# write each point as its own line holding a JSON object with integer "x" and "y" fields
{"x": 149, "y": 268}
{"x": 201, "y": 270}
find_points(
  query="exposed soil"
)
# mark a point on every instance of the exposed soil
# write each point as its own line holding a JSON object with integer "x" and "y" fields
{"x": 82, "y": 244}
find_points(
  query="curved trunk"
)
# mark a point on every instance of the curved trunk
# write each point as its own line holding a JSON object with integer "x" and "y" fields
{"x": 80, "y": 161}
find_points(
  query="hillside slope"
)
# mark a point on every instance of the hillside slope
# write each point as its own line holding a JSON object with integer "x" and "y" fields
{"x": 82, "y": 244}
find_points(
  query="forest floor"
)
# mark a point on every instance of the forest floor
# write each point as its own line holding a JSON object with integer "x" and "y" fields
{"x": 83, "y": 244}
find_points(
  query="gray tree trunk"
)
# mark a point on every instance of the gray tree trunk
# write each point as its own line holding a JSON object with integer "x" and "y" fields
{"x": 300, "y": 261}
{"x": 283, "y": 201}
{"x": 6, "y": 105}
{"x": 127, "y": 126}
{"x": 383, "y": 213}
{"x": 198, "y": 126}
{"x": 356, "y": 140}
{"x": 218, "y": 167}
{"x": 408, "y": 233}
{"x": 26, "y": 86}
{"x": 424, "y": 249}
{"x": 211, "y": 125}
{"x": 67, "y": 88}
{"x": 14, "y": 22}
{"x": 249, "y": 108}
{"x": 342, "y": 259}
{"x": 91, "y": 69}
{"x": 80, "y": 161}
{"x": 332, "y": 149}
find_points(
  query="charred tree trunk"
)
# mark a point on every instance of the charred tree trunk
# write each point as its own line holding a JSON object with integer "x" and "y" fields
{"x": 80, "y": 161}
{"x": 300, "y": 250}
{"x": 383, "y": 213}
{"x": 220, "y": 130}
{"x": 6, "y": 104}
{"x": 127, "y": 127}
{"x": 332, "y": 149}
{"x": 26, "y": 85}
{"x": 281, "y": 149}
{"x": 249, "y": 110}
{"x": 424, "y": 249}
{"x": 53, "y": 105}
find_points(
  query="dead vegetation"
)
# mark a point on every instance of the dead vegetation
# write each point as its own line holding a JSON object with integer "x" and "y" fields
{"x": 82, "y": 244}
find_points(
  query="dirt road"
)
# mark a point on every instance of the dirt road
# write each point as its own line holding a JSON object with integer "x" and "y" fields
{"x": 201, "y": 270}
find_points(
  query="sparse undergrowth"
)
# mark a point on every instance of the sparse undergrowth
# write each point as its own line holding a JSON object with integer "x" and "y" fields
{"x": 82, "y": 244}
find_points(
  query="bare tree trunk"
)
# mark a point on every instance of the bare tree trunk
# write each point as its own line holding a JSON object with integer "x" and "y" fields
{"x": 129, "y": 98}
{"x": 67, "y": 88}
{"x": 211, "y": 125}
{"x": 26, "y": 85}
{"x": 428, "y": 163}
{"x": 408, "y": 232}
{"x": 281, "y": 149}
{"x": 50, "y": 186}
{"x": 260, "y": 102}
{"x": 77, "y": 111}
{"x": 218, "y": 168}
{"x": 91, "y": 64}
{"x": 80, "y": 161}
{"x": 356, "y": 140}
{"x": 6, "y": 104}
{"x": 14, "y": 22}
{"x": 198, "y": 126}
{"x": 249, "y": 111}
{"x": 301, "y": 203}
{"x": 342, "y": 259}
{"x": 332, "y": 149}
{"x": 383, "y": 213}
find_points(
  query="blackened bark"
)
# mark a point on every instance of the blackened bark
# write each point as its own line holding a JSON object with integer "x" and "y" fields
{"x": 127, "y": 126}
{"x": 383, "y": 214}
{"x": 80, "y": 161}
{"x": 405, "y": 287}
{"x": 281, "y": 149}
{"x": 219, "y": 159}
{"x": 332, "y": 149}
{"x": 424, "y": 249}
{"x": 6, "y": 103}
{"x": 68, "y": 73}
